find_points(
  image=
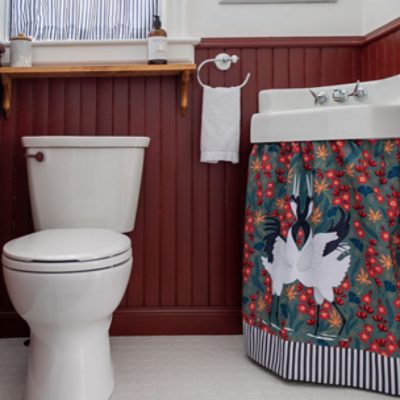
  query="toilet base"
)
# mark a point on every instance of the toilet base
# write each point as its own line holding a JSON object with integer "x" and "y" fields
{"x": 68, "y": 365}
{"x": 69, "y": 315}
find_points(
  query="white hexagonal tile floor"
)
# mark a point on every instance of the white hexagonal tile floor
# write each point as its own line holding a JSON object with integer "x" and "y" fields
{"x": 180, "y": 368}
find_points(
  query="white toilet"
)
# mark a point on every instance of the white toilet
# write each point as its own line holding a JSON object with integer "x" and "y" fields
{"x": 66, "y": 279}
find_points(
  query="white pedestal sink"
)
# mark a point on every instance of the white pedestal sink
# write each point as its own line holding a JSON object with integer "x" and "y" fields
{"x": 291, "y": 115}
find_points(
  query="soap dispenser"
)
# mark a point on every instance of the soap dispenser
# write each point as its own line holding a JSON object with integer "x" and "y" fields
{"x": 157, "y": 43}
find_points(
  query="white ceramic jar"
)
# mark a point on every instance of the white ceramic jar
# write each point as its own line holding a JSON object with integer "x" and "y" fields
{"x": 21, "y": 51}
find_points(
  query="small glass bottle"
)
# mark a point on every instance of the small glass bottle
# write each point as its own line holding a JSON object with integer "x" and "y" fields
{"x": 157, "y": 43}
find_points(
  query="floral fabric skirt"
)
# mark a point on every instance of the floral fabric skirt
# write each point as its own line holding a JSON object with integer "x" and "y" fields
{"x": 321, "y": 277}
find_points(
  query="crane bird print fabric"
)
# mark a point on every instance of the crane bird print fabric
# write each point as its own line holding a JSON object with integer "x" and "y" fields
{"x": 321, "y": 278}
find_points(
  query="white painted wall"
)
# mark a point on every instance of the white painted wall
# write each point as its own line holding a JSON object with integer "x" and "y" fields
{"x": 208, "y": 18}
{"x": 378, "y": 12}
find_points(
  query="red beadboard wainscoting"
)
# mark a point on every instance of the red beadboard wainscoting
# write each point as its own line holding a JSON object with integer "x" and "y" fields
{"x": 187, "y": 241}
{"x": 381, "y": 52}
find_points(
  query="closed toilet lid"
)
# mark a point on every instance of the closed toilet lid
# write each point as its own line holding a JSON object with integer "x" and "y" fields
{"x": 65, "y": 250}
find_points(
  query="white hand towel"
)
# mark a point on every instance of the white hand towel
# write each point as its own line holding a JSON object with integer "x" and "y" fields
{"x": 220, "y": 124}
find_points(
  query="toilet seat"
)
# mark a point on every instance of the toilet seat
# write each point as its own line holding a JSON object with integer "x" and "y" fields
{"x": 67, "y": 250}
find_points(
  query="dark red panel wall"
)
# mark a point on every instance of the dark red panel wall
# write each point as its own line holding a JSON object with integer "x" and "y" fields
{"x": 381, "y": 52}
{"x": 188, "y": 236}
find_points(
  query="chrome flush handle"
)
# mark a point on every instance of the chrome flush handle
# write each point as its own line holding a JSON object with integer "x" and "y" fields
{"x": 39, "y": 156}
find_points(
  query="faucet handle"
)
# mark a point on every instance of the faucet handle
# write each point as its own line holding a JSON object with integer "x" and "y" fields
{"x": 314, "y": 93}
{"x": 320, "y": 97}
{"x": 359, "y": 92}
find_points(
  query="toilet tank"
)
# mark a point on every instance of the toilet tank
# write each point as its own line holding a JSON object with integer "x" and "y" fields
{"x": 84, "y": 181}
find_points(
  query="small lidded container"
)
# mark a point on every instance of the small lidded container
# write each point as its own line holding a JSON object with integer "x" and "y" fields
{"x": 21, "y": 51}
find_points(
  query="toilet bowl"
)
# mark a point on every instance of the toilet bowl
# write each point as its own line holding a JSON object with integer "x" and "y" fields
{"x": 67, "y": 278}
{"x": 66, "y": 285}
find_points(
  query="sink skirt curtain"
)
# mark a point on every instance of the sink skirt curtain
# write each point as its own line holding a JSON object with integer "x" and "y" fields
{"x": 321, "y": 280}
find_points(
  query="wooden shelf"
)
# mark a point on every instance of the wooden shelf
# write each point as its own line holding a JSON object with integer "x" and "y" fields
{"x": 8, "y": 74}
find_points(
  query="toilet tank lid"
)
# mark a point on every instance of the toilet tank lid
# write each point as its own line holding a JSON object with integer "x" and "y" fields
{"x": 62, "y": 245}
{"x": 85, "y": 141}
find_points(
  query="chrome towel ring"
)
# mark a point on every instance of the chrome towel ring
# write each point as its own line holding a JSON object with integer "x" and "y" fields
{"x": 223, "y": 62}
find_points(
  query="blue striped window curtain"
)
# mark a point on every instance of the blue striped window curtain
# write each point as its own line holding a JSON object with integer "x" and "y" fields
{"x": 82, "y": 19}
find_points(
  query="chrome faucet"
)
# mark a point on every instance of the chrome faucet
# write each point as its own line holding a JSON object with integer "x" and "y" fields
{"x": 320, "y": 97}
{"x": 340, "y": 95}
{"x": 359, "y": 92}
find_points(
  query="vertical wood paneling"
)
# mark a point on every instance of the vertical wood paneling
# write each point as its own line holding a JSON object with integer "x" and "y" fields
{"x": 121, "y": 107}
{"x": 56, "y": 106}
{"x": 120, "y": 127}
{"x": 21, "y": 209}
{"x": 381, "y": 57}
{"x": 105, "y": 88}
{"x": 138, "y": 128}
{"x": 366, "y": 62}
{"x": 184, "y": 182}
{"x": 249, "y": 107}
{"x": 168, "y": 188}
{"x": 281, "y": 68}
{"x": 200, "y": 229}
{"x": 216, "y": 213}
{"x": 6, "y": 167}
{"x": 396, "y": 52}
{"x": 390, "y": 54}
{"x": 297, "y": 67}
{"x": 187, "y": 241}
{"x": 312, "y": 67}
{"x": 375, "y": 65}
{"x": 88, "y": 107}
{"x": 265, "y": 68}
{"x": 357, "y": 64}
{"x": 72, "y": 107}
{"x": 233, "y": 207}
{"x": 345, "y": 63}
{"x": 41, "y": 105}
{"x": 151, "y": 184}
{"x": 329, "y": 66}
{"x": 382, "y": 54}
{"x": 7, "y": 210}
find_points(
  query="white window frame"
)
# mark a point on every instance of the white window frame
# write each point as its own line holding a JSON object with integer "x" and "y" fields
{"x": 4, "y": 20}
{"x": 106, "y": 52}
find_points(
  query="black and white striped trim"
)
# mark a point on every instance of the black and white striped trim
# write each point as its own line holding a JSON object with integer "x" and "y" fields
{"x": 308, "y": 362}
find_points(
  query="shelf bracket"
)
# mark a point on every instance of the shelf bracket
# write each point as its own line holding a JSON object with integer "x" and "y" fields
{"x": 6, "y": 81}
{"x": 185, "y": 79}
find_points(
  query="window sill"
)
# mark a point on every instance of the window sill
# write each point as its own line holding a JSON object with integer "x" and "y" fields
{"x": 92, "y": 52}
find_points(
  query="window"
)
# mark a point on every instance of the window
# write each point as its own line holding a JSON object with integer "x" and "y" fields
{"x": 82, "y": 19}
{"x": 104, "y": 51}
